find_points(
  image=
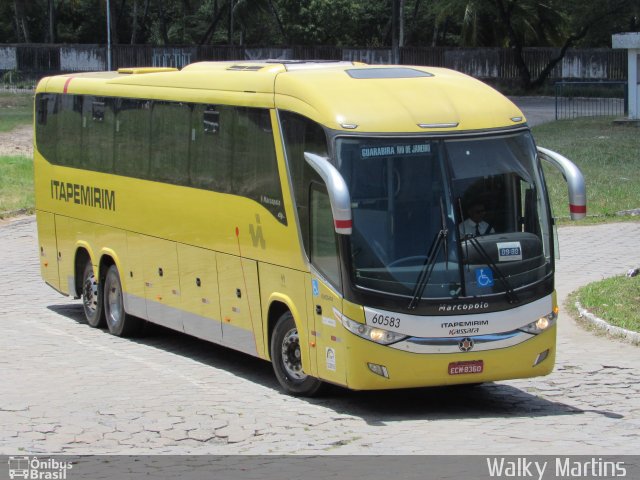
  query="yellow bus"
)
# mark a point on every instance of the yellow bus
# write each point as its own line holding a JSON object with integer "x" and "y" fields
{"x": 373, "y": 227}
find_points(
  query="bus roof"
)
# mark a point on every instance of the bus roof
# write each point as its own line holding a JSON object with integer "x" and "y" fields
{"x": 340, "y": 95}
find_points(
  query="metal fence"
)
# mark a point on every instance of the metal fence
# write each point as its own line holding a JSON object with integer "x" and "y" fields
{"x": 590, "y": 99}
{"x": 37, "y": 60}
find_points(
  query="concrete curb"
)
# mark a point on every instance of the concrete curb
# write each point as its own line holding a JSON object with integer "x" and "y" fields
{"x": 600, "y": 324}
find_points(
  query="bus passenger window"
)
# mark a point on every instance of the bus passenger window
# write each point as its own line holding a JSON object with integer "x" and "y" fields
{"x": 132, "y": 138}
{"x": 46, "y": 130}
{"x": 211, "y": 148}
{"x": 170, "y": 133}
{"x": 98, "y": 124}
{"x": 69, "y": 126}
{"x": 43, "y": 102}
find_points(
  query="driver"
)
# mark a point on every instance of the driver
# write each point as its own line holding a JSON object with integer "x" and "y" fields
{"x": 475, "y": 225}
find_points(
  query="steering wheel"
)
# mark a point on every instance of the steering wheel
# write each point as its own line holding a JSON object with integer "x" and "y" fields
{"x": 408, "y": 261}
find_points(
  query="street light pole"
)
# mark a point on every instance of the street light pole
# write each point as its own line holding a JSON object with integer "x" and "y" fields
{"x": 108, "y": 36}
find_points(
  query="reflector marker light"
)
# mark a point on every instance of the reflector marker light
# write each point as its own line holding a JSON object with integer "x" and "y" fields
{"x": 577, "y": 208}
{"x": 343, "y": 223}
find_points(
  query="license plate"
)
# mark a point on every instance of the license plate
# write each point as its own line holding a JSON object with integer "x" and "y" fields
{"x": 465, "y": 368}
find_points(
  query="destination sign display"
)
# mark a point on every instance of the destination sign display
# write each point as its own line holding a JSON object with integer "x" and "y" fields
{"x": 395, "y": 150}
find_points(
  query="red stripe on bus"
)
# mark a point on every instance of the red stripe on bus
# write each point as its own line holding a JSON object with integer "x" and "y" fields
{"x": 66, "y": 84}
{"x": 577, "y": 208}
{"x": 343, "y": 223}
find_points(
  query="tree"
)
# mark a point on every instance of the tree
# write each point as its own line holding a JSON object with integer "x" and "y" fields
{"x": 571, "y": 20}
{"x": 21, "y": 23}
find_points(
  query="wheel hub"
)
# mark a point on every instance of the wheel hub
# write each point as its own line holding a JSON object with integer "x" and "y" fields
{"x": 292, "y": 356}
{"x": 90, "y": 293}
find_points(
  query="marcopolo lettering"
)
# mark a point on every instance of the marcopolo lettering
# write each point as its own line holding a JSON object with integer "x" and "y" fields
{"x": 90, "y": 196}
{"x": 462, "y": 307}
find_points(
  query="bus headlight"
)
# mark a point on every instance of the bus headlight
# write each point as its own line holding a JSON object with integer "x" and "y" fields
{"x": 374, "y": 334}
{"x": 542, "y": 324}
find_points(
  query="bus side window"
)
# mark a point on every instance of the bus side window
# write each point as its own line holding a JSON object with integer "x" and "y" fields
{"x": 211, "y": 149}
{"x": 43, "y": 105}
{"x": 133, "y": 121}
{"x": 255, "y": 169}
{"x": 98, "y": 122}
{"x": 170, "y": 133}
{"x": 302, "y": 135}
{"x": 69, "y": 125}
{"x": 46, "y": 130}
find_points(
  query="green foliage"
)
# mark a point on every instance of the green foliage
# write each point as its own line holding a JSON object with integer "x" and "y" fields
{"x": 333, "y": 22}
{"x": 616, "y": 300}
{"x": 607, "y": 155}
{"x": 329, "y": 22}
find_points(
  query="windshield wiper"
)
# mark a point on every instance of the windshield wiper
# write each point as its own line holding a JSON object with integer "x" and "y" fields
{"x": 430, "y": 261}
{"x": 511, "y": 294}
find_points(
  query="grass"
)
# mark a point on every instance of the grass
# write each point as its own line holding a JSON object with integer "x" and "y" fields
{"x": 616, "y": 300}
{"x": 607, "y": 155}
{"x": 15, "y": 110}
{"x": 16, "y": 172}
{"x": 16, "y": 185}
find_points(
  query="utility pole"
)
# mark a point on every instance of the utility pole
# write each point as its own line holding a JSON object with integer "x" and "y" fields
{"x": 397, "y": 29}
{"x": 230, "y": 31}
{"x": 108, "y": 36}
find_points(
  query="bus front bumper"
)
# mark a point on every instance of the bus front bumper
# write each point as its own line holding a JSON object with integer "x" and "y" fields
{"x": 372, "y": 366}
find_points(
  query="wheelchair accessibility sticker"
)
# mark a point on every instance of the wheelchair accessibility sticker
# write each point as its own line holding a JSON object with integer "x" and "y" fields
{"x": 315, "y": 287}
{"x": 484, "y": 277}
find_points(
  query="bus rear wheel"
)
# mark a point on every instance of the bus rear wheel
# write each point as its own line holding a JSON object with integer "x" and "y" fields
{"x": 92, "y": 297}
{"x": 119, "y": 322}
{"x": 287, "y": 359}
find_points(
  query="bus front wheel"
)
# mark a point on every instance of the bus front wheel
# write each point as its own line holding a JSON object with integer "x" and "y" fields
{"x": 119, "y": 322}
{"x": 287, "y": 359}
{"x": 92, "y": 297}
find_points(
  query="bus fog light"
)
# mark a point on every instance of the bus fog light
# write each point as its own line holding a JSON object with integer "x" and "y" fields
{"x": 378, "y": 369}
{"x": 541, "y": 357}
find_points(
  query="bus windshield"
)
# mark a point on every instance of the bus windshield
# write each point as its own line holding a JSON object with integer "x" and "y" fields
{"x": 445, "y": 218}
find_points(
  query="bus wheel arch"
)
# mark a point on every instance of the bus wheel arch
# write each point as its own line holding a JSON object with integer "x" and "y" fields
{"x": 286, "y": 356}
{"x": 277, "y": 308}
{"x": 82, "y": 257}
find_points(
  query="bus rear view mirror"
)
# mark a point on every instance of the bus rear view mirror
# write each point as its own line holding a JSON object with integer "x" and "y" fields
{"x": 338, "y": 192}
{"x": 574, "y": 179}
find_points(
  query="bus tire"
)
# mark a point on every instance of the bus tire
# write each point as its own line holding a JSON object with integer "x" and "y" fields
{"x": 287, "y": 359}
{"x": 118, "y": 321}
{"x": 92, "y": 302}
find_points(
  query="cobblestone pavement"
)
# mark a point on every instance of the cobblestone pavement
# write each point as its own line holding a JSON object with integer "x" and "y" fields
{"x": 68, "y": 388}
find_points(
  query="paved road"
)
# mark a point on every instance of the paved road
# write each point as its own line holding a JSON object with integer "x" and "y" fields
{"x": 537, "y": 110}
{"x": 67, "y": 388}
